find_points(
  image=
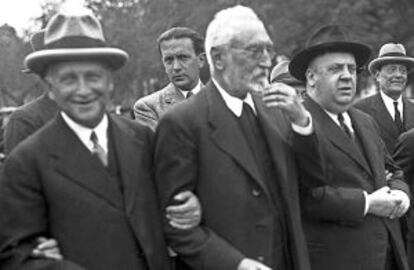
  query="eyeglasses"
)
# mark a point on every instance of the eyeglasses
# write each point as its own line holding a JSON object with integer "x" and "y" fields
{"x": 256, "y": 51}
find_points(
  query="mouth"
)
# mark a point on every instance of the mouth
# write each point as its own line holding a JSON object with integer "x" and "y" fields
{"x": 178, "y": 78}
{"x": 84, "y": 102}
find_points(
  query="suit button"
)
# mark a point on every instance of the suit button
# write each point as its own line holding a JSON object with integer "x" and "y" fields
{"x": 256, "y": 192}
{"x": 260, "y": 259}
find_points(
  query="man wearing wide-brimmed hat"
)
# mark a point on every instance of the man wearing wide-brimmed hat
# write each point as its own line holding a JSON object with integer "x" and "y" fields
{"x": 84, "y": 178}
{"x": 352, "y": 222}
{"x": 392, "y": 111}
{"x": 30, "y": 117}
{"x": 280, "y": 73}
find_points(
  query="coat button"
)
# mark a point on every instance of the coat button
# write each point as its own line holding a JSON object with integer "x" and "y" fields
{"x": 260, "y": 259}
{"x": 256, "y": 192}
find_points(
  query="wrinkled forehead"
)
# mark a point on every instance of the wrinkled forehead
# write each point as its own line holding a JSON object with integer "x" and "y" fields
{"x": 59, "y": 67}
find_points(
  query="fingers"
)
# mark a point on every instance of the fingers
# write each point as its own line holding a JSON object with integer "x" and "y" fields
{"x": 47, "y": 244}
{"x": 182, "y": 196}
{"x": 47, "y": 248}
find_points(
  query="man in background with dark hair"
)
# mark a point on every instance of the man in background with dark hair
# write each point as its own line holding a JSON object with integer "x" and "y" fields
{"x": 182, "y": 54}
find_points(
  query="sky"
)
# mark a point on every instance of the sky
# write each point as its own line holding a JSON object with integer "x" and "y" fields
{"x": 20, "y": 13}
{"x": 17, "y": 13}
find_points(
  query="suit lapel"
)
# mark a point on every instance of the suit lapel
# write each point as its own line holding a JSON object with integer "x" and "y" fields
{"x": 228, "y": 136}
{"x": 275, "y": 128}
{"x": 129, "y": 158}
{"x": 408, "y": 114}
{"x": 332, "y": 132}
{"x": 366, "y": 134}
{"x": 74, "y": 161}
{"x": 172, "y": 95}
{"x": 383, "y": 117}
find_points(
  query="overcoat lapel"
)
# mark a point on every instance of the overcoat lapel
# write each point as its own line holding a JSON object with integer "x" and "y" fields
{"x": 383, "y": 117}
{"x": 126, "y": 144}
{"x": 172, "y": 95}
{"x": 366, "y": 134}
{"x": 408, "y": 114}
{"x": 74, "y": 161}
{"x": 332, "y": 132}
{"x": 227, "y": 135}
{"x": 275, "y": 129}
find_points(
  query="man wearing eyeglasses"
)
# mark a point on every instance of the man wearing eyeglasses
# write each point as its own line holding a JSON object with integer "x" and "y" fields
{"x": 240, "y": 152}
{"x": 182, "y": 55}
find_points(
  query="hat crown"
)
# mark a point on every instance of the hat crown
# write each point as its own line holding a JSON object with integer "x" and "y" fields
{"x": 282, "y": 68}
{"x": 74, "y": 31}
{"x": 37, "y": 40}
{"x": 327, "y": 34}
{"x": 392, "y": 49}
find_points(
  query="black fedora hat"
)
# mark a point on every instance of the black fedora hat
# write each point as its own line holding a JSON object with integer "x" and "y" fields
{"x": 74, "y": 36}
{"x": 330, "y": 38}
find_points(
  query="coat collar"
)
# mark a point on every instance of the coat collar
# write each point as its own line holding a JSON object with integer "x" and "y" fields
{"x": 82, "y": 168}
{"x": 227, "y": 134}
{"x": 332, "y": 132}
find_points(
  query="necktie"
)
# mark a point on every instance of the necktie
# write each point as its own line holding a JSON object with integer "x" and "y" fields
{"x": 397, "y": 118}
{"x": 189, "y": 94}
{"x": 97, "y": 149}
{"x": 344, "y": 127}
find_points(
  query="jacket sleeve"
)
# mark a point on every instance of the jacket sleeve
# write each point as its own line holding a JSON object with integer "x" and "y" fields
{"x": 23, "y": 216}
{"x": 175, "y": 171}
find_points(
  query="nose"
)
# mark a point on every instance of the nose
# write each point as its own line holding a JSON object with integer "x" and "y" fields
{"x": 176, "y": 65}
{"x": 266, "y": 59}
{"x": 83, "y": 87}
{"x": 347, "y": 74}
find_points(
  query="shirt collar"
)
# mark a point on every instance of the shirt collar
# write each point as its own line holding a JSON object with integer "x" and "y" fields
{"x": 233, "y": 103}
{"x": 84, "y": 133}
{"x": 389, "y": 104}
{"x": 195, "y": 90}
{"x": 347, "y": 119}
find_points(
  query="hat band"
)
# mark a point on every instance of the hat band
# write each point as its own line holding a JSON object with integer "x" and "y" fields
{"x": 393, "y": 54}
{"x": 76, "y": 42}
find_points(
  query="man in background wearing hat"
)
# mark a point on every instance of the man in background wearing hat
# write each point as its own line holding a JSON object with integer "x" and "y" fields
{"x": 393, "y": 113}
{"x": 280, "y": 73}
{"x": 352, "y": 222}
{"x": 32, "y": 116}
{"x": 84, "y": 178}
{"x": 182, "y": 55}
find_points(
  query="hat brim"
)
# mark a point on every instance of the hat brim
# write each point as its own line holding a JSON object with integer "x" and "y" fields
{"x": 301, "y": 61}
{"x": 404, "y": 60}
{"x": 37, "y": 61}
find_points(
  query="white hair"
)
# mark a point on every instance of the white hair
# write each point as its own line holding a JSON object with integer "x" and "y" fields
{"x": 225, "y": 26}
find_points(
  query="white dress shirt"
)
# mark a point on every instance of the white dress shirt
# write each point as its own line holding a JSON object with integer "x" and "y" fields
{"x": 235, "y": 105}
{"x": 389, "y": 104}
{"x": 84, "y": 133}
{"x": 195, "y": 90}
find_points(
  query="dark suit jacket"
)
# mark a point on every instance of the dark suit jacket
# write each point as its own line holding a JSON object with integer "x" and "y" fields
{"x": 339, "y": 235}
{"x": 150, "y": 108}
{"x": 404, "y": 156}
{"x": 27, "y": 119}
{"x": 375, "y": 107}
{"x": 200, "y": 147}
{"x": 53, "y": 186}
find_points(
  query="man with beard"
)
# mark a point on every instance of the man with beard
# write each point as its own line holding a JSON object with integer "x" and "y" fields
{"x": 241, "y": 153}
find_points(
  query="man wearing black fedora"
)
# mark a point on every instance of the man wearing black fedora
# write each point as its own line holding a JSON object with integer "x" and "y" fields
{"x": 351, "y": 222}
{"x": 393, "y": 113}
{"x": 84, "y": 178}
